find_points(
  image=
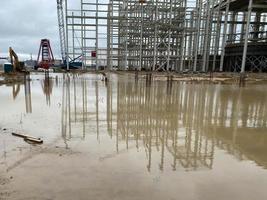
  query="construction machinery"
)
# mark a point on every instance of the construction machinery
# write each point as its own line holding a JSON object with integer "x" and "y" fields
{"x": 14, "y": 60}
{"x": 61, "y": 26}
{"x": 67, "y": 62}
{"x": 45, "y": 58}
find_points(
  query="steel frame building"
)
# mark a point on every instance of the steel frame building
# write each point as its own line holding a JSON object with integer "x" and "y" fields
{"x": 168, "y": 35}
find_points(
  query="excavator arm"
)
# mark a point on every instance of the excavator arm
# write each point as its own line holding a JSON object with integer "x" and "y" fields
{"x": 14, "y": 60}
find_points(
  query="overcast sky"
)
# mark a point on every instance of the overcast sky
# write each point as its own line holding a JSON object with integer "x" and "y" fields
{"x": 23, "y": 23}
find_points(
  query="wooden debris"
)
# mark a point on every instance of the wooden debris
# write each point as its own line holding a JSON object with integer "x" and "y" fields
{"x": 29, "y": 138}
{"x": 33, "y": 140}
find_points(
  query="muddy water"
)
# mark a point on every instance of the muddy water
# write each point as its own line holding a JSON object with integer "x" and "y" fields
{"x": 132, "y": 139}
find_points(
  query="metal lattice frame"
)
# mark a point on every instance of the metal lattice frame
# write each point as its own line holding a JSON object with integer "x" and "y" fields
{"x": 164, "y": 35}
{"x": 86, "y": 32}
{"x": 242, "y": 28}
{"x": 172, "y": 35}
{"x": 61, "y": 26}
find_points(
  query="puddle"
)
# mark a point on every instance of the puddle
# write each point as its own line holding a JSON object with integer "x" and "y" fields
{"x": 130, "y": 139}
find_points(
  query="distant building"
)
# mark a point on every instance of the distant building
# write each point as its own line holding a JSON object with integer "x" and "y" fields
{"x": 1, "y": 67}
{"x": 57, "y": 62}
{"x": 2, "y": 62}
{"x": 30, "y": 64}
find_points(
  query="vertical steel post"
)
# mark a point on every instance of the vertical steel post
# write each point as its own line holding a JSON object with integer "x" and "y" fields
{"x": 169, "y": 37}
{"x": 206, "y": 39}
{"x": 96, "y": 33}
{"x": 155, "y": 37}
{"x": 199, "y": 13}
{"x": 224, "y": 34}
{"x": 246, "y": 37}
{"x": 108, "y": 37}
{"x": 73, "y": 42}
{"x": 82, "y": 37}
{"x": 217, "y": 37}
{"x": 67, "y": 35}
{"x": 191, "y": 25}
{"x": 141, "y": 37}
{"x": 183, "y": 40}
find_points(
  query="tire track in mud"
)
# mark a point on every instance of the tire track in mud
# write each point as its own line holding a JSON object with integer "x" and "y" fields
{"x": 5, "y": 193}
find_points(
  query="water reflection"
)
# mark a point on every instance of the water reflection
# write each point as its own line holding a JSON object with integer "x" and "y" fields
{"x": 184, "y": 122}
{"x": 47, "y": 86}
{"x": 155, "y": 116}
{"x": 66, "y": 111}
{"x": 28, "y": 99}
{"x": 15, "y": 90}
{"x": 27, "y": 92}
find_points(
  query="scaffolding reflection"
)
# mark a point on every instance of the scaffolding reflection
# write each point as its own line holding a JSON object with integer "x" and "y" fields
{"x": 66, "y": 109}
{"x": 27, "y": 92}
{"x": 178, "y": 125}
{"x": 28, "y": 98}
{"x": 153, "y": 115}
{"x": 15, "y": 90}
{"x": 74, "y": 105}
{"x": 189, "y": 121}
{"x": 47, "y": 86}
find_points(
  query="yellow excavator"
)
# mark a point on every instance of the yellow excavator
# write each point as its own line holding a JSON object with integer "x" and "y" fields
{"x": 17, "y": 66}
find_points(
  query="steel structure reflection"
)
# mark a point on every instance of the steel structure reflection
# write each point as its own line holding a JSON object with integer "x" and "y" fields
{"x": 183, "y": 121}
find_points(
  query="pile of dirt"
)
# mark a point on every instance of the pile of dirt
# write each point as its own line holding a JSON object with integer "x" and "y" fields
{"x": 11, "y": 78}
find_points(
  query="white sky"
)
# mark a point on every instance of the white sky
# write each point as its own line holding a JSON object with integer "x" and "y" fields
{"x": 23, "y": 23}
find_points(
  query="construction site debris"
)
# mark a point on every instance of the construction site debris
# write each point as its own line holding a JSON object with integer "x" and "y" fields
{"x": 33, "y": 140}
{"x": 12, "y": 78}
{"x": 28, "y": 138}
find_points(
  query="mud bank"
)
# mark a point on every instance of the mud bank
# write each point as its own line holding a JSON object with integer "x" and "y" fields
{"x": 11, "y": 78}
{"x": 213, "y": 78}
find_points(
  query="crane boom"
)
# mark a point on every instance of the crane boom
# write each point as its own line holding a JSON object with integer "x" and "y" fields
{"x": 61, "y": 26}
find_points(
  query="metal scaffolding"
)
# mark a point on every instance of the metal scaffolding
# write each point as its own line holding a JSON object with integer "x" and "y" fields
{"x": 244, "y": 35}
{"x": 86, "y": 32}
{"x": 169, "y": 35}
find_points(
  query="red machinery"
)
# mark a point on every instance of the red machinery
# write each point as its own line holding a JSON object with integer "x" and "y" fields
{"x": 45, "y": 56}
{"x": 93, "y": 54}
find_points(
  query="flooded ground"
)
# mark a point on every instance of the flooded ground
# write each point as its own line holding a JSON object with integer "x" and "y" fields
{"x": 129, "y": 139}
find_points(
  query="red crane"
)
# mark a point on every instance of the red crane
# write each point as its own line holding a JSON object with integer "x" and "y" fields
{"x": 45, "y": 56}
